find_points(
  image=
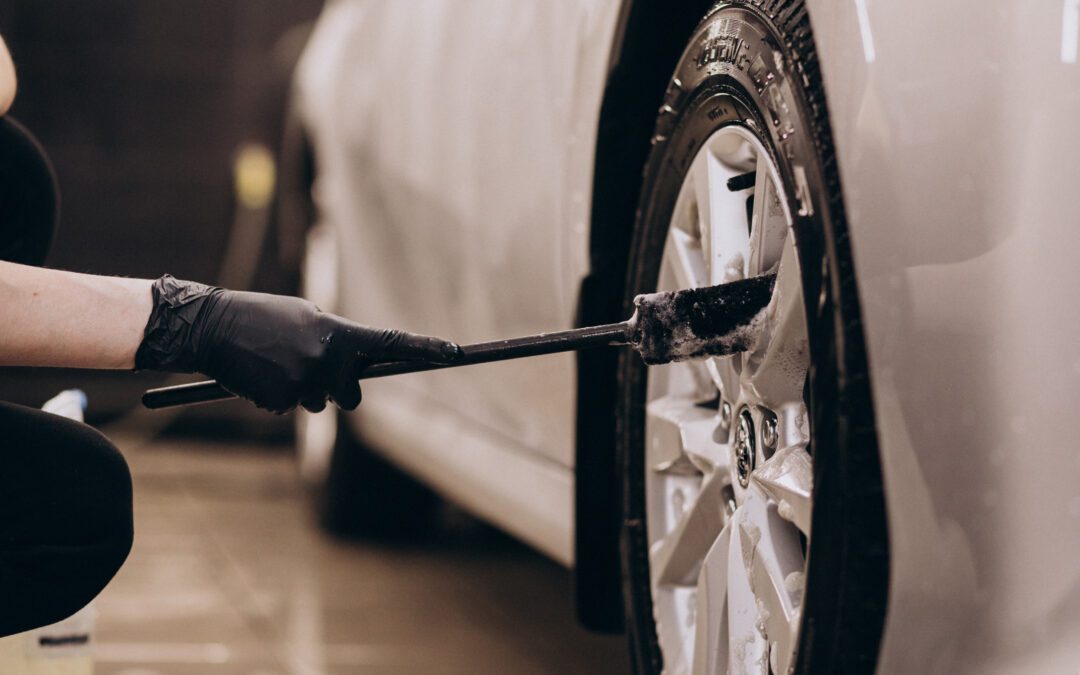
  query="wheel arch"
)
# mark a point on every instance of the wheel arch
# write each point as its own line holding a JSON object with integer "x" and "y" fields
{"x": 649, "y": 39}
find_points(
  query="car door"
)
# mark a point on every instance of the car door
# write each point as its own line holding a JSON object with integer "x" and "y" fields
{"x": 455, "y": 164}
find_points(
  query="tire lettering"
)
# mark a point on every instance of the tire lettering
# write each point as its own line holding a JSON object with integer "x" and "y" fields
{"x": 723, "y": 49}
{"x": 718, "y": 112}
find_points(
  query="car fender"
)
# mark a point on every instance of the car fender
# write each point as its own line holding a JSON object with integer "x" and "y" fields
{"x": 955, "y": 130}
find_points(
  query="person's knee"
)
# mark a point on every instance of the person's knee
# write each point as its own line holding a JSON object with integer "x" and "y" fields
{"x": 105, "y": 473}
{"x": 69, "y": 525}
{"x": 109, "y": 519}
{"x": 87, "y": 487}
{"x": 102, "y": 528}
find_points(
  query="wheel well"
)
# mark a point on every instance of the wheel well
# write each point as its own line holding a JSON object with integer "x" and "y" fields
{"x": 650, "y": 38}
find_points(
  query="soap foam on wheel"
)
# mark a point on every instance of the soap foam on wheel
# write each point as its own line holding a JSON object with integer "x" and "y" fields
{"x": 701, "y": 322}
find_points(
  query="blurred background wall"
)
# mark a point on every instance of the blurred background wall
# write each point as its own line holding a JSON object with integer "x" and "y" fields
{"x": 144, "y": 106}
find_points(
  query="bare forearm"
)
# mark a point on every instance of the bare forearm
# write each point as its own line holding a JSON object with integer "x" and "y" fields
{"x": 64, "y": 319}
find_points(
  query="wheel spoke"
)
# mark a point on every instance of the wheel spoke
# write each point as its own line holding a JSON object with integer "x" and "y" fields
{"x": 676, "y": 559}
{"x": 788, "y": 479}
{"x": 749, "y": 651}
{"x": 686, "y": 259}
{"x": 726, "y": 373}
{"x": 794, "y": 424}
{"x": 680, "y": 437}
{"x": 686, "y": 380}
{"x": 773, "y": 561}
{"x": 776, "y": 374}
{"x": 710, "y": 628}
{"x": 728, "y": 247}
{"x": 769, "y": 224}
{"x": 697, "y": 372}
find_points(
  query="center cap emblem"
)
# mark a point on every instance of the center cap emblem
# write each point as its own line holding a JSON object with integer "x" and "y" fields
{"x": 744, "y": 447}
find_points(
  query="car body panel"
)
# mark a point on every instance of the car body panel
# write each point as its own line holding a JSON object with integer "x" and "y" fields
{"x": 455, "y": 146}
{"x": 956, "y": 130}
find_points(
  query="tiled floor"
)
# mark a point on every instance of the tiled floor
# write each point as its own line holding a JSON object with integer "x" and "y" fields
{"x": 230, "y": 576}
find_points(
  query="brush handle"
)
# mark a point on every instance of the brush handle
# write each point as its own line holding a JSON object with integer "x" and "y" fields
{"x": 484, "y": 352}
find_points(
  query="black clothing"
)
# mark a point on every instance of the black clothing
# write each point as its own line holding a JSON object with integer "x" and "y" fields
{"x": 65, "y": 517}
{"x": 29, "y": 196}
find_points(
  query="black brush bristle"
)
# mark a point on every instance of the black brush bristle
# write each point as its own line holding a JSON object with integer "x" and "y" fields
{"x": 700, "y": 322}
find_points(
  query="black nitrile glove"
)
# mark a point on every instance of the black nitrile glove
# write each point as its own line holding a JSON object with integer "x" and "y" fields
{"x": 274, "y": 350}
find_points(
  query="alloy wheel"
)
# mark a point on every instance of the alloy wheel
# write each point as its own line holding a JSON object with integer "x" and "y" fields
{"x": 728, "y": 469}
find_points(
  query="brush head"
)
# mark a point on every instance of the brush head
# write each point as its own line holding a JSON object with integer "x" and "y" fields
{"x": 700, "y": 322}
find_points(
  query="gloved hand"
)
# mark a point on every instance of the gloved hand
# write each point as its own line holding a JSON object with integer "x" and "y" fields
{"x": 274, "y": 350}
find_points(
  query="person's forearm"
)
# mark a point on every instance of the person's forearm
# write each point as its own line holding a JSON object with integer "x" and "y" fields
{"x": 64, "y": 319}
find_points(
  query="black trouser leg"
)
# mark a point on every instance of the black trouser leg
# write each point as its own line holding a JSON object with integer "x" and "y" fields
{"x": 65, "y": 516}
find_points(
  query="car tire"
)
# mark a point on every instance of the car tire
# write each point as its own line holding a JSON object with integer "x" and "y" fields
{"x": 754, "y": 65}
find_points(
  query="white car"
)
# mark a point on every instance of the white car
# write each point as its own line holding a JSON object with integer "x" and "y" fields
{"x": 887, "y": 483}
